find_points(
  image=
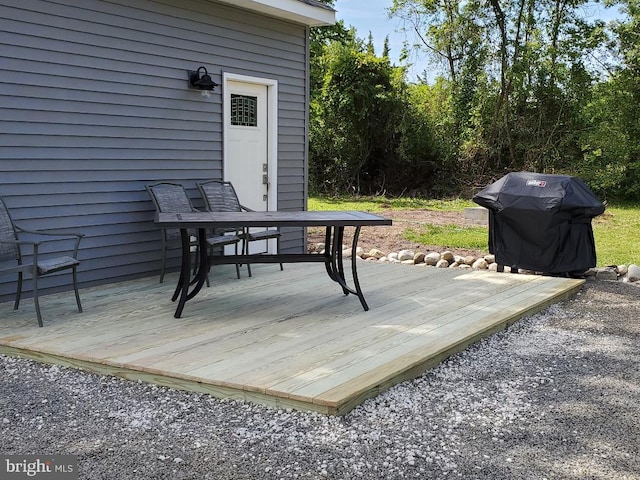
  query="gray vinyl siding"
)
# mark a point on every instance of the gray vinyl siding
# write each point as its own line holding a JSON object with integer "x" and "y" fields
{"x": 94, "y": 104}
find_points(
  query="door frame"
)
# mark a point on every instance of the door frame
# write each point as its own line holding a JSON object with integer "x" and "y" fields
{"x": 272, "y": 130}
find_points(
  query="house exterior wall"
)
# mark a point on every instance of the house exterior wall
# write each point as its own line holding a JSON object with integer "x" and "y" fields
{"x": 94, "y": 105}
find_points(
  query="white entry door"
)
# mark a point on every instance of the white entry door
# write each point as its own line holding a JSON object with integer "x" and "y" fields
{"x": 249, "y": 142}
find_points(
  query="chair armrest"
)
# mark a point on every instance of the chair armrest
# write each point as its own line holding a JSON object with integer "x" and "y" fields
{"x": 50, "y": 233}
{"x": 19, "y": 242}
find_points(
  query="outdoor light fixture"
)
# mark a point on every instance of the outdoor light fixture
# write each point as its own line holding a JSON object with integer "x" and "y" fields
{"x": 200, "y": 80}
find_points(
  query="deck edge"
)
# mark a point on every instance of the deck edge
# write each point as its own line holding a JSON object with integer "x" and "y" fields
{"x": 415, "y": 368}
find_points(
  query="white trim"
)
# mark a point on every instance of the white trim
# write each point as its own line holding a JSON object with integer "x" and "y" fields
{"x": 272, "y": 130}
{"x": 293, "y": 10}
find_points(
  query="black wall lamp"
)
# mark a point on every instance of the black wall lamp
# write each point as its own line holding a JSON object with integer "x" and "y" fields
{"x": 200, "y": 80}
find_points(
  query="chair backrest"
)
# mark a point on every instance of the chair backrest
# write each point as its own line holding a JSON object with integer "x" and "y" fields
{"x": 8, "y": 251}
{"x": 219, "y": 196}
{"x": 170, "y": 198}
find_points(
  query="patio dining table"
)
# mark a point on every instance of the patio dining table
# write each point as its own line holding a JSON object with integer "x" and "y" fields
{"x": 334, "y": 223}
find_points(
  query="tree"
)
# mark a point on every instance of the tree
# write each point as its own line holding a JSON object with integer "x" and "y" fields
{"x": 352, "y": 116}
{"x": 521, "y": 89}
{"x": 370, "y": 49}
{"x": 365, "y": 135}
{"x": 385, "y": 48}
{"x": 442, "y": 27}
{"x": 611, "y": 143}
{"x": 518, "y": 78}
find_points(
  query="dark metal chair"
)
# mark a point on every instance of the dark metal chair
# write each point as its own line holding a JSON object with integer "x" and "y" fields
{"x": 173, "y": 198}
{"x": 220, "y": 196}
{"x": 11, "y": 251}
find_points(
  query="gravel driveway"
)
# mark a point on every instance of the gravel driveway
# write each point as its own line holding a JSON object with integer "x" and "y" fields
{"x": 556, "y": 396}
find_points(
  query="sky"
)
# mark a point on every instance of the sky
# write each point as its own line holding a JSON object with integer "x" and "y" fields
{"x": 371, "y": 15}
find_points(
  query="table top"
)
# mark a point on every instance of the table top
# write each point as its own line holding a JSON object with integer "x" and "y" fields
{"x": 269, "y": 219}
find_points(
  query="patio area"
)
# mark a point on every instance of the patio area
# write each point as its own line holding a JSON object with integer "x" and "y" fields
{"x": 288, "y": 339}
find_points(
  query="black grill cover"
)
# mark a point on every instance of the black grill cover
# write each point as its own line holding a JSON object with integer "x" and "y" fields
{"x": 541, "y": 222}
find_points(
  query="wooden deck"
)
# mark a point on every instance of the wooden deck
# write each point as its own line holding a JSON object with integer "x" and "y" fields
{"x": 287, "y": 339}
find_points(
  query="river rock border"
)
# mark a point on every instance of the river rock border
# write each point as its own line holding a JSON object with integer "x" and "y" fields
{"x": 448, "y": 259}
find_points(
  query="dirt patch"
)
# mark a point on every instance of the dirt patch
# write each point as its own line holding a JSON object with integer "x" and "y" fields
{"x": 391, "y": 239}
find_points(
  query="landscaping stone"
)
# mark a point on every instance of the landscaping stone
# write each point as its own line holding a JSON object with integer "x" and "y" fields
{"x": 607, "y": 273}
{"x": 375, "y": 253}
{"x": 448, "y": 256}
{"x": 432, "y": 258}
{"x": 448, "y": 259}
{"x": 633, "y": 273}
{"x": 480, "y": 264}
{"x": 405, "y": 255}
{"x": 490, "y": 258}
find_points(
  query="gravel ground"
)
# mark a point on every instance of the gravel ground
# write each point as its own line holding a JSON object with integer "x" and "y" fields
{"x": 554, "y": 397}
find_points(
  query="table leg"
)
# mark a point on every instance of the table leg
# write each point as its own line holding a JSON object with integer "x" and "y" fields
{"x": 336, "y": 259}
{"x": 335, "y": 262}
{"x": 182, "y": 290}
{"x": 339, "y": 261}
{"x": 328, "y": 253}
{"x": 333, "y": 256}
{"x": 356, "y": 282}
{"x": 203, "y": 268}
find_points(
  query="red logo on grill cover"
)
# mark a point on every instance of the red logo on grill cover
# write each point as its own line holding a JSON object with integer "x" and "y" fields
{"x": 536, "y": 183}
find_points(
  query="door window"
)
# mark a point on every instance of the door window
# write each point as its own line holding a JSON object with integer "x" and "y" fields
{"x": 244, "y": 112}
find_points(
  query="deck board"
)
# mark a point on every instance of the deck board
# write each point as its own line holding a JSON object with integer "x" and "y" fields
{"x": 364, "y": 354}
{"x": 285, "y": 339}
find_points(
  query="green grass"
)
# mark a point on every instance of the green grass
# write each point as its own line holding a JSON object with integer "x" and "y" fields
{"x": 617, "y": 234}
{"x": 450, "y": 236}
{"x": 378, "y": 204}
{"x": 617, "y": 231}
